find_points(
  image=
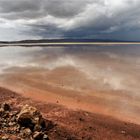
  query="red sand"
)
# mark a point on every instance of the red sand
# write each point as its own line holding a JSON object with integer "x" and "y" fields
{"x": 76, "y": 125}
{"x": 52, "y": 87}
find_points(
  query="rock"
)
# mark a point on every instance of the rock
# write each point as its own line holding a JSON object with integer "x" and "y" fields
{"x": 11, "y": 123}
{"x": 15, "y": 138}
{"x": 37, "y": 128}
{"x": 5, "y": 107}
{"x": 123, "y": 132}
{"x": 29, "y": 117}
{"x": 26, "y": 132}
{"x": 38, "y": 136}
{"x": 6, "y": 115}
{"x": 45, "y": 137}
{"x": 4, "y": 138}
{"x": 26, "y": 124}
{"x": 1, "y": 111}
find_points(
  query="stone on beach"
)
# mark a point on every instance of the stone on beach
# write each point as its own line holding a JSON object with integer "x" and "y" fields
{"x": 27, "y": 123}
{"x": 30, "y": 117}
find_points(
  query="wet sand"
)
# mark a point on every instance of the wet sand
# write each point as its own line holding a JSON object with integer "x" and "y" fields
{"x": 102, "y": 80}
{"x": 52, "y": 89}
{"x": 75, "y": 125}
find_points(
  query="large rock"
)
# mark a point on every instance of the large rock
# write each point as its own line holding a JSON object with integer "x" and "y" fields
{"x": 30, "y": 117}
{"x": 27, "y": 124}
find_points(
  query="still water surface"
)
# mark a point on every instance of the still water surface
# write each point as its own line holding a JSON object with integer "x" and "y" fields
{"x": 104, "y": 76}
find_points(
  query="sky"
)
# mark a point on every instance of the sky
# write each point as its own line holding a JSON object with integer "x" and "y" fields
{"x": 94, "y": 19}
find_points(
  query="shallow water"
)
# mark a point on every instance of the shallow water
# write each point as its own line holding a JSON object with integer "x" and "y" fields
{"x": 109, "y": 75}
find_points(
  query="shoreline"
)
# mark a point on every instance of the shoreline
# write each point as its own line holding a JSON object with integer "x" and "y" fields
{"x": 67, "y": 43}
{"x": 70, "y": 99}
{"x": 76, "y": 124}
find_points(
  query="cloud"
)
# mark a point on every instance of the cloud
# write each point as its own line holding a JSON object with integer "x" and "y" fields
{"x": 71, "y": 18}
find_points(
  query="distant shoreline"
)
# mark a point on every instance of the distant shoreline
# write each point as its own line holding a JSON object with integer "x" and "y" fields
{"x": 69, "y": 43}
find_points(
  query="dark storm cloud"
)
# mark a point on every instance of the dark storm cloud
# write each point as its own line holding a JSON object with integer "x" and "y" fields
{"x": 69, "y": 18}
{"x": 19, "y": 9}
{"x": 10, "y": 6}
{"x": 30, "y": 8}
{"x": 65, "y": 8}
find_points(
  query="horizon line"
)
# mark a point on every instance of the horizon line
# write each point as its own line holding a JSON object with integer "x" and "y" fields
{"x": 69, "y": 43}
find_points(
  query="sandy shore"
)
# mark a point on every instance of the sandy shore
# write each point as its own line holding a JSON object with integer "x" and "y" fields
{"x": 57, "y": 87}
{"x": 68, "y": 43}
{"x": 76, "y": 124}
